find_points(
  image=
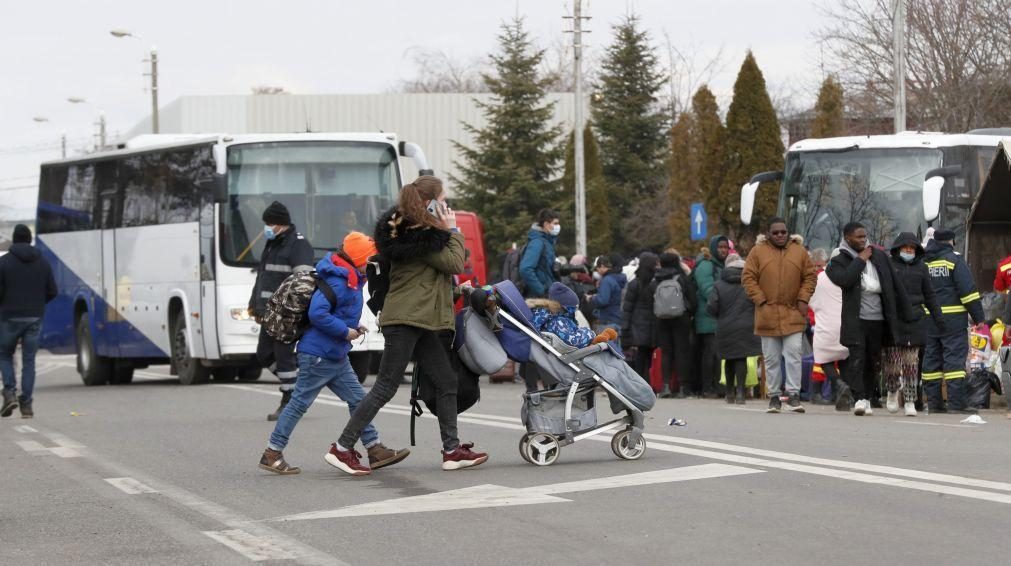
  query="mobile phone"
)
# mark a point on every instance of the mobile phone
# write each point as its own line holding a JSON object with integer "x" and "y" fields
{"x": 433, "y": 208}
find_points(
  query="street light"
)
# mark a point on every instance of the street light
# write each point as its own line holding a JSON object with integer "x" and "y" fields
{"x": 76, "y": 100}
{"x": 121, "y": 33}
{"x": 40, "y": 118}
{"x": 63, "y": 136}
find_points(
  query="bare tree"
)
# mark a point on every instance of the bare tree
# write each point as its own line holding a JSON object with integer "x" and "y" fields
{"x": 958, "y": 61}
{"x": 687, "y": 70}
{"x": 437, "y": 71}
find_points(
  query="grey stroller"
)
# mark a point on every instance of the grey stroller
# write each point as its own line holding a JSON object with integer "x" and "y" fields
{"x": 565, "y": 412}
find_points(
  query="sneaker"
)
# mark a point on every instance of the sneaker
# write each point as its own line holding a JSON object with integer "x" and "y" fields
{"x": 273, "y": 461}
{"x": 910, "y": 409}
{"x": 893, "y": 402}
{"x": 844, "y": 399}
{"x": 731, "y": 397}
{"x": 774, "y": 404}
{"x": 347, "y": 461}
{"x": 876, "y": 402}
{"x": 381, "y": 456}
{"x": 10, "y": 402}
{"x": 861, "y": 407}
{"x": 26, "y": 409}
{"x": 793, "y": 404}
{"x": 462, "y": 458}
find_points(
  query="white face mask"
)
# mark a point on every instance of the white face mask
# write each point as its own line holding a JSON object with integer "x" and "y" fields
{"x": 596, "y": 276}
{"x": 556, "y": 229}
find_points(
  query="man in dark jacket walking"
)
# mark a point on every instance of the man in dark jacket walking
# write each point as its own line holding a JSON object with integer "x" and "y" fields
{"x": 872, "y": 302}
{"x": 286, "y": 252}
{"x": 948, "y": 345}
{"x": 537, "y": 266}
{"x": 26, "y": 285}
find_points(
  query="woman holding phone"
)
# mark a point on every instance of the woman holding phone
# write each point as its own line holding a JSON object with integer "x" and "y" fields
{"x": 425, "y": 249}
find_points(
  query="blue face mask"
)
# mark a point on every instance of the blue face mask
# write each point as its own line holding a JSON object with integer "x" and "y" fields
{"x": 268, "y": 231}
{"x": 907, "y": 257}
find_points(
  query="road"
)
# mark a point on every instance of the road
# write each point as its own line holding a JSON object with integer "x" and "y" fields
{"x": 158, "y": 473}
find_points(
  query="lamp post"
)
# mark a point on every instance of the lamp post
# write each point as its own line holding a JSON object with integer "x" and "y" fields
{"x": 121, "y": 33}
{"x": 63, "y": 135}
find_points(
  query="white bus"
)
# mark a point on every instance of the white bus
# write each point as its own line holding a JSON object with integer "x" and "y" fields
{"x": 890, "y": 183}
{"x": 154, "y": 246}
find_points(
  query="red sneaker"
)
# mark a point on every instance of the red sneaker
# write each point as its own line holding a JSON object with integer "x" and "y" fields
{"x": 462, "y": 458}
{"x": 346, "y": 461}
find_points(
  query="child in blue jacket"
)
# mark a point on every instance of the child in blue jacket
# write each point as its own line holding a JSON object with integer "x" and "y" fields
{"x": 557, "y": 315}
{"x": 323, "y": 354}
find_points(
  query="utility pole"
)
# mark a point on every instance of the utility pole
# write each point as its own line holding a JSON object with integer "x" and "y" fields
{"x": 63, "y": 145}
{"x": 101, "y": 131}
{"x": 580, "y": 165}
{"x": 899, "y": 63}
{"x": 154, "y": 90}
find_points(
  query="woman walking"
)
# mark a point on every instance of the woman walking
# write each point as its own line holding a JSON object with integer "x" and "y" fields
{"x": 638, "y": 321}
{"x": 425, "y": 249}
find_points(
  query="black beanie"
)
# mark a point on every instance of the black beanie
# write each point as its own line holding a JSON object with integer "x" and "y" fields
{"x": 22, "y": 234}
{"x": 944, "y": 235}
{"x": 276, "y": 214}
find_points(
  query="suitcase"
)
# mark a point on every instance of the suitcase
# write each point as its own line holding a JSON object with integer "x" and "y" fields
{"x": 655, "y": 373}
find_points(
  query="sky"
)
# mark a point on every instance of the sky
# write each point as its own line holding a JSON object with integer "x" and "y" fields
{"x": 53, "y": 50}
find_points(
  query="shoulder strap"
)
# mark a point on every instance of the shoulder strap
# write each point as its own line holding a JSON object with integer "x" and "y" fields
{"x": 327, "y": 291}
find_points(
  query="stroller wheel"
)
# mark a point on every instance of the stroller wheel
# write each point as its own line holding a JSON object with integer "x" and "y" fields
{"x": 621, "y": 448}
{"x": 540, "y": 449}
{"x": 524, "y": 440}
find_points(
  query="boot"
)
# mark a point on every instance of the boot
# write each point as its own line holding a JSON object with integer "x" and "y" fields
{"x": 381, "y": 456}
{"x": 26, "y": 409}
{"x": 285, "y": 397}
{"x": 956, "y": 397}
{"x": 740, "y": 395}
{"x": 932, "y": 390}
{"x": 843, "y": 398}
{"x": 10, "y": 402}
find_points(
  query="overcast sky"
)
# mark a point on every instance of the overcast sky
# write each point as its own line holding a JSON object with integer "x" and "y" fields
{"x": 57, "y": 49}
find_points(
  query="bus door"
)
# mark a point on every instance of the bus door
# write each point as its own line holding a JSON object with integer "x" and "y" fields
{"x": 109, "y": 205}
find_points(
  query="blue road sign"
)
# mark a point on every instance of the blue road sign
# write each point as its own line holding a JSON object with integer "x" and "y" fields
{"x": 699, "y": 221}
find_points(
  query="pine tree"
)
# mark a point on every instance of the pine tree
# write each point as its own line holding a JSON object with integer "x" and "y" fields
{"x": 510, "y": 171}
{"x": 709, "y": 141}
{"x": 598, "y": 217}
{"x": 630, "y": 121}
{"x": 828, "y": 119}
{"x": 754, "y": 145}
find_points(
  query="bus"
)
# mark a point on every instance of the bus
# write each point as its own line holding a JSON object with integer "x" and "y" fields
{"x": 154, "y": 246}
{"x": 890, "y": 183}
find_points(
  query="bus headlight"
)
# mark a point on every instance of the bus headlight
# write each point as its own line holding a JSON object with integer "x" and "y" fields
{"x": 240, "y": 313}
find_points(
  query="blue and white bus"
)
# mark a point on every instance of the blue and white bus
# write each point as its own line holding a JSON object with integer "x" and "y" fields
{"x": 154, "y": 246}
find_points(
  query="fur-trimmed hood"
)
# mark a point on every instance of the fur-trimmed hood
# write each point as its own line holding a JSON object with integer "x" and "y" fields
{"x": 795, "y": 238}
{"x": 553, "y": 307}
{"x": 398, "y": 238}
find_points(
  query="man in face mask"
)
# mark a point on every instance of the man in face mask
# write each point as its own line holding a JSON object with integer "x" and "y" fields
{"x": 286, "y": 252}
{"x": 537, "y": 265}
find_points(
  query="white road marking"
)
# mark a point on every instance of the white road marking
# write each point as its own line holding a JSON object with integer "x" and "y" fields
{"x": 24, "y": 429}
{"x": 62, "y": 441}
{"x": 65, "y": 452}
{"x": 252, "y": 547}
{"x": 487, "y": 495}
{"x": 130, "y": 486}
{"x": 31, "y": 446}
{"x": 921, "y": 423}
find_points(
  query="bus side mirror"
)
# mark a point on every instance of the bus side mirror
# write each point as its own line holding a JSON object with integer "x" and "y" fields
{"x": 216, "y": 185}
{"x": 414, "y": 151}
{"x": 932, "y": 185}
{"x": 750, "y": 188}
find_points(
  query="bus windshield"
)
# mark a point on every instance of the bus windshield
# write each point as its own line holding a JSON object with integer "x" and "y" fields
{"x": 329, "y": 187}
{"x": 880, "y": 188}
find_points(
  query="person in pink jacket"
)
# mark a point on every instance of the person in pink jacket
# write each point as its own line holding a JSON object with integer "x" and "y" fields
{"x": 827, "y": 306}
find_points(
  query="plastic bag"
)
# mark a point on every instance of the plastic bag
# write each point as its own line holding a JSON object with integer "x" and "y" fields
{"x": 751, "y": 380}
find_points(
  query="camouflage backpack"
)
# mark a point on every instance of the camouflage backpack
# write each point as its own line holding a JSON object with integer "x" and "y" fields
{"x": 287, "y": 317}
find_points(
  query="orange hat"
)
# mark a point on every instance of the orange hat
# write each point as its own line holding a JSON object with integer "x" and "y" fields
{"x": 359, "y": 248}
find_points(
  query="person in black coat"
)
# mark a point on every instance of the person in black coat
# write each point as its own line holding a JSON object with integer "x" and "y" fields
{"x": 873, "y": 299}
{"x": 637, "y": 318}
{"x": 902, "y": 360}
{"x": 735, "y": 326}
{"x": 674, "y": 335}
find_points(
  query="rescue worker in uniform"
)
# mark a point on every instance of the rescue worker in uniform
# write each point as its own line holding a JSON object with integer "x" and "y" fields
{"x": 948, "y": 344}
{"x": 286, "y": 252}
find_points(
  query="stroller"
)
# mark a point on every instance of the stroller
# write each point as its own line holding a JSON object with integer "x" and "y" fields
{"x": 498, "y": 327}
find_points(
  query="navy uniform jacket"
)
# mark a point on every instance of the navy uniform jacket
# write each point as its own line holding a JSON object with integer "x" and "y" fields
{"x": 954, "y": 287}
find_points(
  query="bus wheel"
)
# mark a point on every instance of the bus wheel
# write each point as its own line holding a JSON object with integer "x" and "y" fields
{"x": 94, "y": 369}
{"x": 250, "y": 373}
{"x": 360, "y": 363}
{"x": 189, "y": 370}
{"x": 122, "y": 373}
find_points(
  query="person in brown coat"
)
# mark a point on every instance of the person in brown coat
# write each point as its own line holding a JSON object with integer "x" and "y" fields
{"x": 780, "y": 278}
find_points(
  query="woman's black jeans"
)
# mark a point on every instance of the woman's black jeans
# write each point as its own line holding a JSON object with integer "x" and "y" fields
{"x": 404, "y": 343}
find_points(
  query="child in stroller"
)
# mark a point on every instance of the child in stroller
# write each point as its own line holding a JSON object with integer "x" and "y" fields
{"x": 557, "y": 315}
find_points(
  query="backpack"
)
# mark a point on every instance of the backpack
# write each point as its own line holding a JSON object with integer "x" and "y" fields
{"x": 669, "y": 299}
{"x": 286, "y": 317}
{"x": 511, "y": 268}
{"x": 378, "y": 275}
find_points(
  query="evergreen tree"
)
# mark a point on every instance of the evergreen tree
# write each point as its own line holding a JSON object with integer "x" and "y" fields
{"x": 510, "y": 172}
{"x": 630, "y": 121}
{"x": 828, "y": 118}
{"x": 684, "y": 182}
{"x": 753, "y": 145}
{"x": 709, "y": 141}
{"x": 598, "y": 217}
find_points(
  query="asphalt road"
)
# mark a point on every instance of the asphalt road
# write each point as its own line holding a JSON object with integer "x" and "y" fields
{"x": 158, "y": 473}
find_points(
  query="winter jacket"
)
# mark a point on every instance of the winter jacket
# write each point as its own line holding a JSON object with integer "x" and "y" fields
{"x": 687, "y": 286}
{"x": 915, "y": 279}
{"x": 327, "y": 335}
{"x": 607, "y": 301}
{"x": 581, "y": 283}
{"x": 846, "y": 270}
{"x": 955, "y": 289}
{"x": 538, "y": 262}
{"x": 734, "y": 313}
{"x": 551, "y": 317}
{"x": 775, "y": 279}
{"x": 637, "y": 319}
{"x": 422, "y": 264}
{"x": 26, "y": 283}
{"x": 289, "y": 252}
{"x": 826, "y": 304}
{"x": 707, "y": 273}
{"x": 1002, "y": 279}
